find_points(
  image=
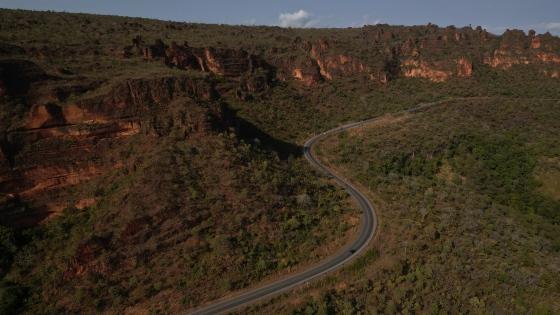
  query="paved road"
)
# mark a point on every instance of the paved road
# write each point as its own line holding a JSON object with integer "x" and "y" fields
{"x": 367, "y": 231}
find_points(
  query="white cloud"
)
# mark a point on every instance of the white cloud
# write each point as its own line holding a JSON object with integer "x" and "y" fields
{"x": 300, "y": 18}
{"x": 369, "y": 20}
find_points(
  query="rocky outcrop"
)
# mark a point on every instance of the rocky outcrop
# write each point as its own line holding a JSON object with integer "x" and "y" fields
{"x": 505, "y": 59}
{"x": 232, "y": 63}
{"x": 436, "y": 71}
{"x": 252, "y": 72}
{"x": 308, "y": 72}
{"x": 219, "y": 61}
{"x": 227, "y": 62}
{"x": 30, "y": 84}
{"x": 43, "y": 116}
{"x": 320, "y": 64}
{"x": 393, "y": 61}
{"x": 536, "y": 43}
{"x": 255, "y": 83}
{"x": 429, "y": 52}
{"x": 548, "y": 57}
{"x": 517, "y": 49}
{"x": 422, "y": 69}
{"x": 151, "y": 52}
{"x": 185, "y": 57}
{"x": 65, "y": 144}
{"x": 335, "y": 65}
{"x": 433, "y": 50}
{"x": 464, "y": 68}
{"x": 555, "y": 74}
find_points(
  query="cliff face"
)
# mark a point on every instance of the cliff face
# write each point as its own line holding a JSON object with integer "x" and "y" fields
{"x": 62, "y": 125}
{"x": 309, "y": 72}
{"x": 219, "y": 61}
{"x": 421, "y": 69}
{"x": 429, "y": 52}
{"x": 464, "y": 68}
{"x": 515, "y": 48}
{"x": 253, "y": 74}
{"x": 426, "y": 52}
{"x": 62, "y": 144}
{"x": 335, "y": 65}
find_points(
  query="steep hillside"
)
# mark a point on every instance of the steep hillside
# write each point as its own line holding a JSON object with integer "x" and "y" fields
{"x": 157, "y": 202}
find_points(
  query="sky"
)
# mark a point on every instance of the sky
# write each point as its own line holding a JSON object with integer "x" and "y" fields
{"x": 494, "y": 15}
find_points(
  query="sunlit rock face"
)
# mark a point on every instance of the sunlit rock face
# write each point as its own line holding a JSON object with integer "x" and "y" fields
{"x": 60, "y": 144}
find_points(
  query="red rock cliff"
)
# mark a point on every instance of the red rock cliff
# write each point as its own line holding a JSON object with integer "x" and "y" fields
{"x": 64, "y": 144}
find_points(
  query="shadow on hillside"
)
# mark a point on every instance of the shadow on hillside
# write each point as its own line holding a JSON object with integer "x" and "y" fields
{"x": 251, "y": 134}
{"x": 17, "y": 213}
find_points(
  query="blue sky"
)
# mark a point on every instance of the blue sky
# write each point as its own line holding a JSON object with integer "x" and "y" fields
{"x": 495, "y": 15}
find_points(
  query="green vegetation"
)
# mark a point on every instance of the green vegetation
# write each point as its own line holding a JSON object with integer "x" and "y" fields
{"x": 464, "y": 225}
{"x": 175, "y": 221}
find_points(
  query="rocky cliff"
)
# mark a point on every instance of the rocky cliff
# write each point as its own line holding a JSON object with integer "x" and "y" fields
{"x": 59, "y": 144}
{"x": 67, "y": 105}
{"x": 429, "y": 52}
{"x": 386, "y": 52}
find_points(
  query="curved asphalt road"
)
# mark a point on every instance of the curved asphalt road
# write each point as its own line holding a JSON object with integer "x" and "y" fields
{"x": 368, "y": 228}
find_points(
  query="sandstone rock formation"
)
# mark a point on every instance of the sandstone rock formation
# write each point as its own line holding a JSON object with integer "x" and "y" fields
{"x": 308, "y": 72}
{"x": 64, "y": 144}
{"x": 154, "y": 51}
{"x": 464, "y": 67}
{"x": 335, "y": 65}
{"x": 420, "y": 52}
{"x": 70, "y": 124}
{"x": 252, "y": 72}
{"x": 422, "y": 69}
{"x": 517, "y": 49}
{"x": 536, "y": 43}
{"x": 219, "y": 61}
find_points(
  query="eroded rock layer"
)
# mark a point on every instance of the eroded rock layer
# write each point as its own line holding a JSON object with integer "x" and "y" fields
{"x": 62, "y": 144}
{"x": 62, "y": 127}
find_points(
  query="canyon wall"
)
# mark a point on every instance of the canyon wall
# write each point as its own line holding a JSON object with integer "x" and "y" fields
{"x": 59, "y": 144}
{"x": 70, "y": 124}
